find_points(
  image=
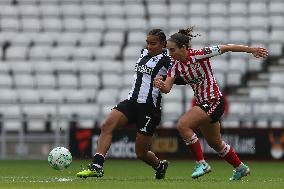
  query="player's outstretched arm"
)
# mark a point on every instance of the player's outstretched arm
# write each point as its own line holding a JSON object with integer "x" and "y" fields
{"x": 257, "y": 52}
{"x": 164, "y": 86}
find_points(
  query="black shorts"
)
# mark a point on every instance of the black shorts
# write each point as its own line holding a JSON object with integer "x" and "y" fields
{"x": 213, "y": 108}
{"x": 146, "y": 117}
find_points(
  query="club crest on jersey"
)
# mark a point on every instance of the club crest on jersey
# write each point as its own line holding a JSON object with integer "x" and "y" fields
{"x": 207, "y": 50}
{"x": 194, "y": 66}
{"x": 144, "y": 69}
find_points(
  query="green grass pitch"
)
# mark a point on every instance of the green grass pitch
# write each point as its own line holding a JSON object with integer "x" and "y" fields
{"x": 134, "y": 174}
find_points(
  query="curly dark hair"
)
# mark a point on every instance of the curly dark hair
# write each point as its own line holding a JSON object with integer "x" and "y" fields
{"x": 183, "y": 37}
{"x": 159, "y": 33}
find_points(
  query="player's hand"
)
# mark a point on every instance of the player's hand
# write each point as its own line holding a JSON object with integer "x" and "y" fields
{"x": 158, "y": 82}
{"x": 259, "y": 52}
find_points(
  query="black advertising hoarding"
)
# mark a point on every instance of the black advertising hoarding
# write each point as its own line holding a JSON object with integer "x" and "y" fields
{"x": 248, "y": 143}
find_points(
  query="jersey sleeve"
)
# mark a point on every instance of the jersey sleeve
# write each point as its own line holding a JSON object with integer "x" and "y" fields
{"x": 206, "y": 52}
{"x": 173, "y": 71}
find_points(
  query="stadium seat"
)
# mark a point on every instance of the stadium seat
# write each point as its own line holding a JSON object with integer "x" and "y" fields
{"x": 49, "y": 10}
{"x": 104, "y": 52}
{"x": 238, "y": 36}
{"x": 128, "y": 66}
{"x": 221, "y": 79}
{"x": 107, "y": 96}
{"x": 89, "y": 81}
{"x": 176, "y": 95}
{"x": 12, "y": 115}
{"x": 218, "y": 22}
{"x": 24, "y": 81}
{"x": 9, "y": 11}
{"x": 171, "y": 112}
{"x": 116, "y": 24}
{"x": 127, "y": 80}
{"x": 6, "y": 81}
{"x": 238, "y": 8}
{"x": 275, "y": 8}
{"x": 60, "y": 53}
{"x": 45, "y": 81}
{"x": 16, "y": 53}
{"x": 30, "y": 24}
{"x": 73, "y": 24}
{"x": 4, "y": 68}
{"x": 234, "y": 78}
{"x": 67, "y": 81}
{"x": 23, "y": 39}
{"x": 91, "y": 39}
{"x": 64, "y": 67}
{"x": 114, "y": 10}
{"x": 94, "y": 24}
{"x": 29, "y": 10}
{"x": 8, "y": 95}
{"x": 82, "y": 53}
{"x": 28, "y": 96}
{"x": 131, "y": 52}
{"x": 218, "y": 37}
{"x": 199, "y": 22}
{"x": 74, "y": 96}
{"x": 157, "y": 9}
{"x": 238, "y": 64}
{"x": 276, "y": 22}
{"x": 219, "y": 64}
{"x": 72, "y": 11}
{"x": 238, "y": 22}
{"x": 52, "y": 24}
{"x": 123, "y": 94}
{"x": 20, "y": 67}
{"x": 216, "y": 8}
{"x": 158, "y": 22}
{"x": 178, "y": 9}
{"x": 258, "y": 93}
{"x": 134, "y": 9}
{"x": 274, "y": 91}
{"x": 51, "y": 95}
{"x": 111, "y": 80}
{"x": 87, "y": 67}
{"x": 92, "y": 10}
{"x": 255, "y": 64}
{"x": 175, "y": 23}
{"x": 198, "y": 9}
{"x": 38, "y": 53}
{"x": 113, "y": 38}
{"x": 257, "y": 8}
{"x": 258, "y": 22}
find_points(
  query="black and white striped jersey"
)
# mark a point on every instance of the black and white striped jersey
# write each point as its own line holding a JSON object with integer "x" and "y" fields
{"x": 146, "y": 69}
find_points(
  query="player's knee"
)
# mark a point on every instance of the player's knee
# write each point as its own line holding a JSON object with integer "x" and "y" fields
{"x": 141, "y": 153}
{"x": 182, "y": 126}
{"x": 106, "y": 127}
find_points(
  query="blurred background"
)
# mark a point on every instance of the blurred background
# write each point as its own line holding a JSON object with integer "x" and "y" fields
{"x": 65, "y": 63}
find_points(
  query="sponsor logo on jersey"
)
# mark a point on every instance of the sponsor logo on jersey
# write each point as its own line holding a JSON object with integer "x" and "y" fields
{"x": 144, "y": 69}
{"x": 197, "y": 80}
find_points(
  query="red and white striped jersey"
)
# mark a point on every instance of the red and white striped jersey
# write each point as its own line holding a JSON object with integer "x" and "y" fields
{"x": 197, "y": 72}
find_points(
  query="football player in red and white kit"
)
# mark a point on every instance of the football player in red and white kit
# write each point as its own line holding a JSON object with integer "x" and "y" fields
{"x": 194, "y": 67}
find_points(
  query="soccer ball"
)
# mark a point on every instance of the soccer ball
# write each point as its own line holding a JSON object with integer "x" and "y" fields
{"x": 59, "y": 158}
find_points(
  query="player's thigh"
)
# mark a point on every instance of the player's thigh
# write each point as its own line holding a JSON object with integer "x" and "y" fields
{"x": 148, "y": 119}
{"x": 193, "y": 118}
{"x": 143, "y": 143}
{"x": 114, "y": 120}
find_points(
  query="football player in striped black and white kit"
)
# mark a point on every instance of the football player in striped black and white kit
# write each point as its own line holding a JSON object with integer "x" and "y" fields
{"x": 142, "y": 107}
{"x": 194, "y": 67}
